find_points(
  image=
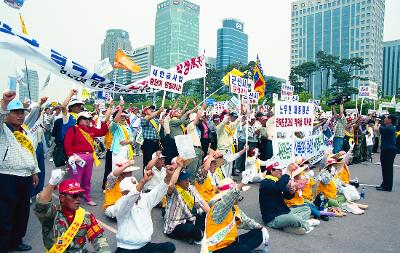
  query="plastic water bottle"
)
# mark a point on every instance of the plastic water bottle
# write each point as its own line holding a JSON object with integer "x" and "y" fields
{"x": 322, "y": 198}
{"x": 362, "y": 194}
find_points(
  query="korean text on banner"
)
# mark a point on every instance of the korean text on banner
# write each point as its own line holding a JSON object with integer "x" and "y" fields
{"x": 234, "y": 103}
{"x": 238, "y": 85}
{"x": 218, "y": 107}
{"x": 286, "y": 91}
{"x": 373, "y": 90}
{"x": 363, "y": 92}
{"x": 52, "y": 60}
{"x": 122, "y": 61}
{"x": 310, "y": 147}
{"x": 235, "y": 72}
{"x": 252, "y": 100}
{"x": 164, "y": 79}
{"x": 294, "y": 116}
{"x": 193, "y": 68}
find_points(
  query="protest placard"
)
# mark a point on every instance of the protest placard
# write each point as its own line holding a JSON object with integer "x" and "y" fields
{"x": 164, "y": 79}
{"x": 238, "y": 85}
{"x": 309, "y": 147}
{"x": 184, "y": 144}
{"x": 294, "y": 116}
{"x": 373, "y": 90}
{"x": 252, "y": 100}
{"x": 363, "y": 92}
{"x": 193, "y": 68}
{"x": 218, "y": 107}
{"x": 286, "y": 91}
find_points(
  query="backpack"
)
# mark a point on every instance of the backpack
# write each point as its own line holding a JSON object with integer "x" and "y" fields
{"x": 59, "y": 156}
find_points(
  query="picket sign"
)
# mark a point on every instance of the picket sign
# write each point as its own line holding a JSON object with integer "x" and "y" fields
{"x": 294, "y": 116}
{"x": 239, "y": 85}
{"x": 164, "y": 79}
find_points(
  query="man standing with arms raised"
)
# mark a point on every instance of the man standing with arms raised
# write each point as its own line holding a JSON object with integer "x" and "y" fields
{"x": 18, "y": 171}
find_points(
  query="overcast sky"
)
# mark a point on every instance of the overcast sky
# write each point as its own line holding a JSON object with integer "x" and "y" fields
{"x": 77, "y": 28}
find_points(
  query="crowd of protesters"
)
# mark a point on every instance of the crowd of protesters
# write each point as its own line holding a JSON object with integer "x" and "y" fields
{"x": 199, "y": 197}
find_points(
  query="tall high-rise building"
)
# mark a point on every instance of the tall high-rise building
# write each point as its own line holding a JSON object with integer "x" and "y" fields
{"x": 391, "y": 68}
{"x": 32, "y": 79}
{"x": 232, "y": 43}
{"x": 116, "y": 38}
{"x": 176, "y": 32}
{"x": 344, "y": 28}
{"x": 211, "y": 62}
{"x": 143, "y": 57}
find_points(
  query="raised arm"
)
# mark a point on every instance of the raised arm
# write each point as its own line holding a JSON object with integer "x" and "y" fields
{"x": 7, "y": 98}
{"x": 121, "y": 107}
{"x": 66, "y": 101}
{"x": 154, "y": 114}
{"x": 174, "y": 177}
{"x": 153, "y": 161}
{"x": 109, "y": 112}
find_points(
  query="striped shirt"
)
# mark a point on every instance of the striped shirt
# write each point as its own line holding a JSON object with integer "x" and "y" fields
{"x": 15, "y": 159}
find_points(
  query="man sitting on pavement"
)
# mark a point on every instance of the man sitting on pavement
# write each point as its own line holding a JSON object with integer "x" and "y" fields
{"x": 225, "y": 218}
{"x": 186, "y": 209}
{"x": 133, "y": 212}
{"x": 275, "y": 214}
{"x": 112, "y": 192}
{"x": 67, "y": 226}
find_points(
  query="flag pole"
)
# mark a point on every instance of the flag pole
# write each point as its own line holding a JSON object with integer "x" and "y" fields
{"x": 163, "y": 99}
{"x": 27, "y": 82}
{"x": 210, "y": 95}
{"x": 204, "y": 88}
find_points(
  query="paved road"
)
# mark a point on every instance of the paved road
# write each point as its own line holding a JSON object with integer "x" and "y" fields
{"x": 376, "y": 231}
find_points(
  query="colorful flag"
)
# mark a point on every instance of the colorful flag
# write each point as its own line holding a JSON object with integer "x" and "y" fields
{"x": 235, "y": 72}
{"x": 24, "y": 31}
{"x": 259, "y": 81}
{"x": 122, "y": 61}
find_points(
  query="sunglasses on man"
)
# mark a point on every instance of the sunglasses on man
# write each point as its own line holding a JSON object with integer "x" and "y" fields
{"x": 75, "y": 196}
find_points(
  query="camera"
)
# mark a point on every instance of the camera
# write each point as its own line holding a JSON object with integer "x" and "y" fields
{"x": 338, "y": 100}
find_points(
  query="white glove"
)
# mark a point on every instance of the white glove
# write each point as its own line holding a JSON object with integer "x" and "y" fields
{"x": 56, "y": 176}
{"x": 265, "y": 235}
{"x": 246, "y": 177}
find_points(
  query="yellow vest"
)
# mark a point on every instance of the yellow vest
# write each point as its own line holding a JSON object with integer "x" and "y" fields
{"x": 108, "y": 139}
{"x": 111, "y": 196}
{"x": 329, "y": 190}
{"x": 344, "y": 174}
{"x": 307, "y": 191}
{"x": 295, "y": 201}
{"x": 206, "y": 190}
{"x": 212, "y": 228}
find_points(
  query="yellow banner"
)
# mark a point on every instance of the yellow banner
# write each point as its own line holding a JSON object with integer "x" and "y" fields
{"x": 186, "y": 196}
{"x": 24, "y": 141}
{"x": 91, "y": 142}
{"x": 122, "y": 61}
{"x": 126, "y": 135}
{"x": 65, "y": 240}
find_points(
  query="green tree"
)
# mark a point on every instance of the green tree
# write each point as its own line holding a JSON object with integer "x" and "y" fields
{"x": 273, "y": 86}
{"x": 326, "y": 62}
{"x": 344, "y": 73}
{"x": 294, "y": 80}
{"x": 306, "y": 71}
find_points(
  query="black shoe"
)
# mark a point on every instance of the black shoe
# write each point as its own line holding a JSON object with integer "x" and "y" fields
{"x": 378, "y": 188}
{"x": 22, "y": 247}
{"x": 324, "y": 218}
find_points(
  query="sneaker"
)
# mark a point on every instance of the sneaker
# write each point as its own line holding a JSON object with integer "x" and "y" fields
{"x": 309, "y": 229}
{"x": 313, "y": 222}
{"x": 352, "y": 208}
{"x": 295, "y": 230}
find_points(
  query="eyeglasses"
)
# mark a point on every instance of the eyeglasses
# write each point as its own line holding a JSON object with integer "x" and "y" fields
{"x": 75, "y": 196}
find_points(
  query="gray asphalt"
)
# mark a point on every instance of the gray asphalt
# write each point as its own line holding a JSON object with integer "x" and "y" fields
{"x": 377, "y": 230}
